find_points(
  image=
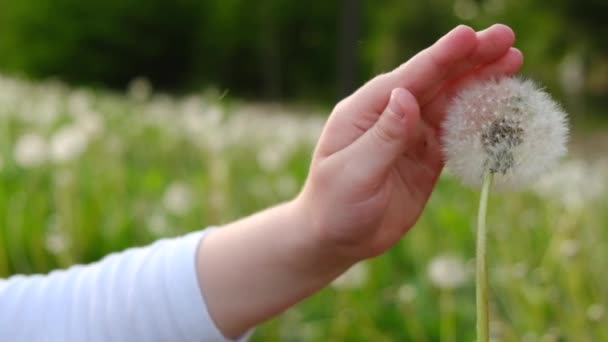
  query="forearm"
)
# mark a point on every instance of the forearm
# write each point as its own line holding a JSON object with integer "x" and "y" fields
{"x": 254, "y": 268}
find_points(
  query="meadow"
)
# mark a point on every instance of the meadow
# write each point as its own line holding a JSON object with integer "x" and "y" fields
{"x": 84, "y": 173}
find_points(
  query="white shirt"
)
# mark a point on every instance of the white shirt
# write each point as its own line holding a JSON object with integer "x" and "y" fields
{"x": 142, "y": 294}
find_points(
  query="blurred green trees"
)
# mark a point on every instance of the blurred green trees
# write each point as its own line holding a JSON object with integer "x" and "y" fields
{"x": 281, "y": 48}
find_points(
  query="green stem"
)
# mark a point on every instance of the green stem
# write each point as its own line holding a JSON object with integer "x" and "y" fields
{"x": 483, "y": 331}
{"x": 447, "y": 329}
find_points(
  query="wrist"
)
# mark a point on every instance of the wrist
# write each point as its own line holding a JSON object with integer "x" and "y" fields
{"x": 310, "y": 253}
{"x": 256, "y": 267}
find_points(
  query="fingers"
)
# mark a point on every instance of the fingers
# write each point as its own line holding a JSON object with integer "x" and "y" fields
{"x": 451, "y": 56}
{"x": 508, "y": 64}
{"x": 426, "y": 68}
{"x": 492, "y": 44}
{"x": 425, "y": 75}
{"x": 433, "y": 65}
{"x": 388, "y": 138}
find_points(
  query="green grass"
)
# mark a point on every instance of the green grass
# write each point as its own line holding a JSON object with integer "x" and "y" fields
{"x": 152, "y": 167}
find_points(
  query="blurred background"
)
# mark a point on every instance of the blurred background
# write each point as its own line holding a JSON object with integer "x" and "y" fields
{"x": 122, "y": 122}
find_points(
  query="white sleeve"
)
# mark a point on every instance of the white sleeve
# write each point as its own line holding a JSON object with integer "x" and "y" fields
{"x": 141, "y": 294}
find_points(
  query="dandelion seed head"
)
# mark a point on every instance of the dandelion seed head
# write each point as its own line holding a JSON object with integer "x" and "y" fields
{"x": 30, "y": 150}
{"x": 140, "y": 89}
{"x": 447, "y": 272}
{"x": 595, "y": 312}
{"x": 406, "y": 293}
{"x": 68, "y": 143}
{"x": 57, "y": 242}
{"x": 508, "y": 127}
{"x": 574, "y": 185}
{"x": 177, "y": 198}
{"x": 569, "y": 248}
{"x": 286, "y": 185}
{"x": 158, "y": 224}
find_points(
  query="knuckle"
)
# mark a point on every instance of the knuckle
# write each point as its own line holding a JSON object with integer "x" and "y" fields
{"x": 386, "y": 131}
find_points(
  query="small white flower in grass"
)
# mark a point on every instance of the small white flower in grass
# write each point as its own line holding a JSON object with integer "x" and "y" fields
{"x": 569, "y": 248}
{"x": 595, "y": 312}
{"x": 158, "y": 224}
{"x": 140, "y": 89}
{"x": 56, "y": 239}
{"x": 530, "y": 336}
{"x": 273, "y": 157}
{"x": 30, "y": 150}
{"x": 353, "y": 278}
{"x": 507, "y": 127}
{"x": 177, "y": 198}
{"x": 406, "y": 293}
{"x": 574, "y": 185}
{"x": 91, "y": 124}
{"x": 447, "y": 272}
{"x": 286, "y": 185}
{"x": 68, "y": 143}
{"x": 57, "y": 242}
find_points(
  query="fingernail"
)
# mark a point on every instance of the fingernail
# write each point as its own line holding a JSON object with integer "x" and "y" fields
{"x": 394, "y": 104}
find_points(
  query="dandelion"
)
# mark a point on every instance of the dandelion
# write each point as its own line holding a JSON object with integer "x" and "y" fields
{"x": 508, "y": 128}
{"x": 272, "y": 158}
{"x": 569, "y": 248}
{"x": 574, "y": 185}
{"x": 158, "y": 224}
{"x": 90, "y": 123}
{"x": 56, "y": 240}
{"x": 286, "y": 185}
{"x": 30, "y": 150}
{"x": 177, "y": 198}
{"x": 505, "y": 132}
{"x": 406, "y": 293}
{"x": 447, "y": 272}
{"x": 139, "y": 89}
{"x": 595, "y": 312}
{"x": 68, "y": 143}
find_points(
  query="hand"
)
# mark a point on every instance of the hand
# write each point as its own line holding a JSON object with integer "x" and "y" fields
{"x": 372, "y": 172}
{"x": 379, "y": 156}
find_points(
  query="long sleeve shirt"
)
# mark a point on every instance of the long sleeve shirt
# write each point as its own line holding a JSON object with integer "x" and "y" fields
{"x": 141, "y": 294}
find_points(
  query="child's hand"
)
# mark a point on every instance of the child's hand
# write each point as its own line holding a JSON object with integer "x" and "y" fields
{"x": 379, "y": 157}
{"x": 372, "y": 173}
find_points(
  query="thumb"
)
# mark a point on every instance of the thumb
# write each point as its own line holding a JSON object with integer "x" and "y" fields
{"x": 388, "y": 138}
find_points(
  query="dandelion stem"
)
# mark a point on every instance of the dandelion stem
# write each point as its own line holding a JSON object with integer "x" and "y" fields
{"x": 483, "y": 334}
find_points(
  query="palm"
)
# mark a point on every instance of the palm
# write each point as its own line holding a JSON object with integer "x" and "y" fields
{"x": 390, "y": 201}
{"x": 414, "y": 179}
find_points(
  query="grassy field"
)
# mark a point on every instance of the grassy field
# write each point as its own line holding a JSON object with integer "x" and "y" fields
{"x": 85, "y": 173}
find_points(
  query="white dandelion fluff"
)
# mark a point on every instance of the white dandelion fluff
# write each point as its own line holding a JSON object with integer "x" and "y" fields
{"x": 178, "y": 198}
{"x": 447, "y": 272}
{"x": 595, "y": 312}
{"x": 30, "y": 150}
{"x": 68, "y": 143}
{"x": 406, "y": 293}
{"x": 508, "y": 127}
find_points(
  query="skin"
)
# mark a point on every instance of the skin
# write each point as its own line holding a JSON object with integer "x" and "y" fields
{"x": 372, "y": 172}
